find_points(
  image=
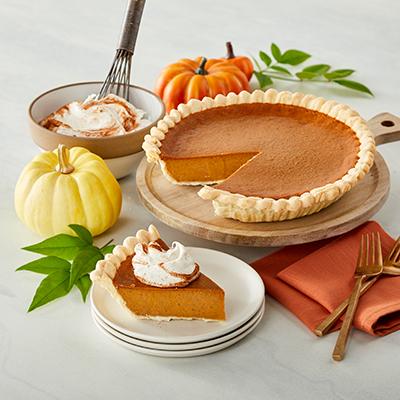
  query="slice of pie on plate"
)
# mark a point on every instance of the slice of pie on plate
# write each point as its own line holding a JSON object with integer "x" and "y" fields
{"x": 154, "y": 281}
{"x": 271, "y": 155}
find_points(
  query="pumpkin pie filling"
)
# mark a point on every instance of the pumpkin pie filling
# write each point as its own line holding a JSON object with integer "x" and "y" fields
{"x": 207, "y": 169}
{"x": 201, "y": 299}
{"x": 260, "y": 149}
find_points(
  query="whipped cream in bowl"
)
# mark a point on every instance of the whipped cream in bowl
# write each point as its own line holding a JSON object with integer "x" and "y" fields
{"x": 110, "y": 127}
{"x": 97, "y": 118}
{"x": 155, "y": 264}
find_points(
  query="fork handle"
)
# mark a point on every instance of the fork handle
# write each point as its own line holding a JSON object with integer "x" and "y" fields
{"x": 341, "y": 342}
{"x": 391, "y": 270}
{"x": 324, "y": 327}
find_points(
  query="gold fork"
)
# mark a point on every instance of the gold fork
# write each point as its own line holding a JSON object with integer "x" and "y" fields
{"x": 369, "y": 263}
{"x": 391, "y": 266}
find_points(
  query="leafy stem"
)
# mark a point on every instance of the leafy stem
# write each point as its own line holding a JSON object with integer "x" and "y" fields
{"x": 289, "y": 79}
{"x": 280, "y": 66}
{"x": 107, "y": 244}
{"x": 273, "y": 75}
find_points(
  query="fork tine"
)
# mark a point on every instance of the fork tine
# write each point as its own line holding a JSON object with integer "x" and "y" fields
{"x": 373, "y": 248}
{"x": 396, "y": 257}
{"x": 367, "y": 245}
{"x": 390, "y": 256}
{"x": 361, "y": 252}
{"x": 379, "y": 249}
{"x": 396, "y": 251}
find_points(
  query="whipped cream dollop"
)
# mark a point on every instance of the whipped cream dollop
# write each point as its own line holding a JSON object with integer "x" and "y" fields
{"x": 156, "y": 265}
{"x": 109, "y": 116}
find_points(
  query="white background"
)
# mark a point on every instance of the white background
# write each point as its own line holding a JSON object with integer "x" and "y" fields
{"x": 56, "y": 352}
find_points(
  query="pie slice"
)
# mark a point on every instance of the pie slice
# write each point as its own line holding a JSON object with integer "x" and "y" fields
{"x": 200, "y": 299}
{"x": 271, "y": 156}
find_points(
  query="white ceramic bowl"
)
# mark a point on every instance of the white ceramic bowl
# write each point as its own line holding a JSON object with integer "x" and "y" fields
{"x": 119, "y": 152}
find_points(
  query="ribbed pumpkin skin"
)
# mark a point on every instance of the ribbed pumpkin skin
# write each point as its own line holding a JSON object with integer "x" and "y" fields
{"x": 188, "y": 79}
{"x": 47, "y": 201}
{"x": 244, "y": 64}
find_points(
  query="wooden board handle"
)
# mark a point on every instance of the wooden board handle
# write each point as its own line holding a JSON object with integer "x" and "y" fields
{"x": 385, "y": 127}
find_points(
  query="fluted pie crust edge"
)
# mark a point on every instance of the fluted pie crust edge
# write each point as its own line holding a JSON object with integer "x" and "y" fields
{"x": 257, "y": 209}
{"x": 105, "y": 270}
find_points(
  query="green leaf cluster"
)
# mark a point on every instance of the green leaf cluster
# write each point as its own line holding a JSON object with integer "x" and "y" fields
{"x": 67, "y": 263}
{"x": 274, "y": 66}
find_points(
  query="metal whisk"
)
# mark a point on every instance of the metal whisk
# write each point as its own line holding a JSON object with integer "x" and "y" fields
{"x": 118, "y": 77}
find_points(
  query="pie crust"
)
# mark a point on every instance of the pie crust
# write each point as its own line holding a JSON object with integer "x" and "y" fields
{"x": 258, "y": 209}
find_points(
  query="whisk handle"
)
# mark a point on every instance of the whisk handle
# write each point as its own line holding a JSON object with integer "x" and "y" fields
{"x": 130, "y": 27}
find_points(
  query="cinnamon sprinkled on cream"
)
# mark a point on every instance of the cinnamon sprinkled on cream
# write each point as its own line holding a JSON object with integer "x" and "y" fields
{"x": 155, "y": 265}
{"x": 109, "y": 116}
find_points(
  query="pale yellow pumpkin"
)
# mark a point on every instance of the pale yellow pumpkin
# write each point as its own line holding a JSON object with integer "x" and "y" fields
{"x": 67, "y": 187}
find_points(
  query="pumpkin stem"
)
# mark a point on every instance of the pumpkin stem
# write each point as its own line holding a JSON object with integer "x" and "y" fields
{"x": 64, "y": 166}
{"x": 201, "y": 70}
{"x": 229, "y": 51}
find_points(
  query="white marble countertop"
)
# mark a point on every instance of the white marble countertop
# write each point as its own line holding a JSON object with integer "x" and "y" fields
{"x": 56, "y": 352}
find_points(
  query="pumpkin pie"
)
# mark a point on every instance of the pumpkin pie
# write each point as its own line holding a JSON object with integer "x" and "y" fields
{"x": 153, "y": 281}
{"x": 270, "y": 156}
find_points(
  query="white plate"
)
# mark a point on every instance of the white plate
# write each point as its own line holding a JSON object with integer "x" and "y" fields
{"x": 243, "y": 326}
{"x": 244, "y": 294}
{"x": 180, "y": 346}
{"x": 179, "y": 353}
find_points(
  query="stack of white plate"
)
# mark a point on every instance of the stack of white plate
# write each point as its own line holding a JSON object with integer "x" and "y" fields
{"x": 244, "y": 306}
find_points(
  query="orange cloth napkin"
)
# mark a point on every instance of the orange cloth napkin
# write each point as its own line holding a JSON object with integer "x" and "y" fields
{"x": 312, "y": 279}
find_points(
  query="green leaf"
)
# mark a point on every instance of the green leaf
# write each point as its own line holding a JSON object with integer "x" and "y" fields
{"x": 339, "y": 73}
{"x": 83, "y": 284}
{"x": 303, "y": 75}
{"x": 266, "y": 59}
{"x": 353, "y": 85}
{"x": 82, "y": 232}
{"x": 62, "y": 274}
{"x": 107, "y": 249}
{"x": 46, "y": 265}
{"x": 294, "y": 57}
{"x": 317, "y": 68}
{"x": 281, "y": 69}
{"x": 62, "y": 245}
{"x": 263, "y": 80}
{"x": 52, "y": 287}
{"x": 83, "y": 263}
{"x": 276, "y": 52}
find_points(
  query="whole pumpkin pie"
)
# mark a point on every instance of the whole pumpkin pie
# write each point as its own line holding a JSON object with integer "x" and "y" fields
{"x": 269, "y": 156}
{"x": 154, "y": 281}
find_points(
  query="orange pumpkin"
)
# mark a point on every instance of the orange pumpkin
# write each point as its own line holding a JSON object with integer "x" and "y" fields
{"x": 242, "y": 62}
{"x": 194, "y": 79}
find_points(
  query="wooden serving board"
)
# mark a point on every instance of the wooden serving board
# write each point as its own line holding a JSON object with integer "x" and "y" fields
{"x": 181, "y": 208}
